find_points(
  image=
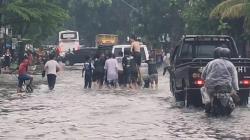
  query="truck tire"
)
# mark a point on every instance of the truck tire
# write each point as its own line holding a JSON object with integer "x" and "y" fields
{"x": 179, "y": 96}
{"x": 243, "y": 98}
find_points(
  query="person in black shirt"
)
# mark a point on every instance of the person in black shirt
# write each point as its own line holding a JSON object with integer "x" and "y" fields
{"x": 152, "y": 72}
{"x": 130, "y": 70}
{"x": 99, "y": 69}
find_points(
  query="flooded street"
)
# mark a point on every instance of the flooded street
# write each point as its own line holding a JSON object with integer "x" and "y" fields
{"x": 72, "y": 113}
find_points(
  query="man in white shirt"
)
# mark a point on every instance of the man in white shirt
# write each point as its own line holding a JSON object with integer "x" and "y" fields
{"x": 51, "y": 67}
{"x": 111, "y": 67}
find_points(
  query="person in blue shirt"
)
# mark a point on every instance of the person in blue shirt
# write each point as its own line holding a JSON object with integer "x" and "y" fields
{"x": 88, "y": 68}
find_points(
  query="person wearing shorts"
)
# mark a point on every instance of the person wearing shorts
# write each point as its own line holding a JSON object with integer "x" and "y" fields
{"x": 152, "y": 72}
{"x": 22, "y": 74}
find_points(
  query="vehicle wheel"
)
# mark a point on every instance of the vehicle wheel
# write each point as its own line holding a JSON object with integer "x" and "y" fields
{"x": 243, "y": 98}
{"x": 67, "y": 63}
{"x": 179, "y": 96}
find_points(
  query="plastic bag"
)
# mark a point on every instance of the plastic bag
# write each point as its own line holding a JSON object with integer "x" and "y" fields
{"x": 205, "y": 96}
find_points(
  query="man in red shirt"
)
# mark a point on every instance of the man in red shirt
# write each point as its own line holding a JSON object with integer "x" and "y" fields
{"x": 22, "y": 74}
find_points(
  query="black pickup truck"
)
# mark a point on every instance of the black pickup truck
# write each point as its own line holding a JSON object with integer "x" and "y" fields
{"x": 188, "y": 59}
{"x": 79, "y": 56}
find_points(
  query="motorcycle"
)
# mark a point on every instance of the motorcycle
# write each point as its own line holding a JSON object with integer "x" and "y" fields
{"x": 221, "y": 102}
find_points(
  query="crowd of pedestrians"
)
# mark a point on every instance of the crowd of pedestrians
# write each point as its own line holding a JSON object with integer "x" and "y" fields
{"x": 121, "y": 71}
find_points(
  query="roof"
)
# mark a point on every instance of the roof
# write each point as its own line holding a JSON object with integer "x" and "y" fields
{"x": 125, "y": 46}
{"x": 65, "y": 31}
{"x": 193, "y": 36}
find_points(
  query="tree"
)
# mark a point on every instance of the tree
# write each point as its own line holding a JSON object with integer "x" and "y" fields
{"x": 196, "y": 17}
{"x": 33, "y": 19}
{"x": 233, "y": 9}
{"x": 236, "y": 13}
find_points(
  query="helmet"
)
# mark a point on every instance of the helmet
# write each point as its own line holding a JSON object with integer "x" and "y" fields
{"x": 226, "y": 53}
{"x": 217, "y": 52}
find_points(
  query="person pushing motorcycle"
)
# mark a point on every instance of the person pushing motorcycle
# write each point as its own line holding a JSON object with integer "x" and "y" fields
{"x": 220, "y": 75}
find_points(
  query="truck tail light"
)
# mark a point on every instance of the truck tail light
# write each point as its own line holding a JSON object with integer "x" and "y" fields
{"x": 245, "y": 83}
{"x": 199, "y": 82}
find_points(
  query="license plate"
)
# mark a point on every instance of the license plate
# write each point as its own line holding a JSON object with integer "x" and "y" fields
{"x": 241, "y": 69}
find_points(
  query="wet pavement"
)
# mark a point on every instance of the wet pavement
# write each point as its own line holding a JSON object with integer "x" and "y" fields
{"x": 72, "y": 113}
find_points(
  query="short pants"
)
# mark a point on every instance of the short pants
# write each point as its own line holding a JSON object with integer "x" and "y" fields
{"x": 137, "y": 57}
{"x": 153, "y": 77}
{"x": 22, "y": 78}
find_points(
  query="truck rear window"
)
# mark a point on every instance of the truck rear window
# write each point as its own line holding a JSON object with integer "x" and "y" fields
{"x": 203, "y": 49}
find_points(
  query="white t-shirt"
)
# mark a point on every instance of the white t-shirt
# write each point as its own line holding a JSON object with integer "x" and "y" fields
{"x": 111, "y": 65}
{"x": 51, "y": 67}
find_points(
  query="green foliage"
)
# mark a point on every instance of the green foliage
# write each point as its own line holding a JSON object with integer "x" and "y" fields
{"x": 33, "y": 19}
{"x": 196, "y": 17}
{"x": 146, "y": 18}
{"x": 233, "y": 9}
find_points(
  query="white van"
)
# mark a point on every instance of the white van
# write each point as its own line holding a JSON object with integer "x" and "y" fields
{"x": 117, "y": 49}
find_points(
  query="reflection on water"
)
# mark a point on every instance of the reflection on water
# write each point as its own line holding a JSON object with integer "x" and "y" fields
{"x": 72, "y": 113}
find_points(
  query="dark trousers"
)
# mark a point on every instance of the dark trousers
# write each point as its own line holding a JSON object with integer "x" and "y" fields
{"x": 51, "y": 81}
{"x": 88, "y": 81}
{"x": 120, "y": 78}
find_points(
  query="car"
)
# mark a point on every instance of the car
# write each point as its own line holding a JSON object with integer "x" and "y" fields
{"x": 117, "y": 49}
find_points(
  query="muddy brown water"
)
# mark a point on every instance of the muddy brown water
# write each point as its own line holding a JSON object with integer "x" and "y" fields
{"x": 72, "y": 113}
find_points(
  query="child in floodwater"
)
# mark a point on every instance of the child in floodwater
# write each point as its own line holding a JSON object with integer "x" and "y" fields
{"x": 88, "y": 68}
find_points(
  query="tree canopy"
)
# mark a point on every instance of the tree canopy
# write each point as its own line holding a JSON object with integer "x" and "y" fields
{"x": 33, "y": 19}
{"x": 38, "y": 19}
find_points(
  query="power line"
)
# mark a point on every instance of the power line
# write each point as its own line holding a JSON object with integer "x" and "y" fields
{"x": 131, "y": 6}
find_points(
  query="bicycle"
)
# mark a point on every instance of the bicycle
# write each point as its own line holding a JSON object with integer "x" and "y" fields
{"x": 26, "y": 86}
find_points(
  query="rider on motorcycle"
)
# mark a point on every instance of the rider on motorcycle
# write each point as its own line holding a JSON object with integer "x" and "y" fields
{"x": 221, "y": 80}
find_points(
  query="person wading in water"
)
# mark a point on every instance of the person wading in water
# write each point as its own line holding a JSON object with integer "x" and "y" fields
{"x": 136, "y": 52}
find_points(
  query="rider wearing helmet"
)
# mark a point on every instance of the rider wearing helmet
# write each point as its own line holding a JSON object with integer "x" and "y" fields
{"x": 225, "y": 53}
{"x": 217, "y": 52}
{"x": 220, "y": 72}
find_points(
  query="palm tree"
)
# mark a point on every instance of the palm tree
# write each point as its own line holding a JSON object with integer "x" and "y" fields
{"x": 233, "y": 9}
{"x": 236, "y": 9}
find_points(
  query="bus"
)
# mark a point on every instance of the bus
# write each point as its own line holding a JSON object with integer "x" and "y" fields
{"x": 68, "y": 42}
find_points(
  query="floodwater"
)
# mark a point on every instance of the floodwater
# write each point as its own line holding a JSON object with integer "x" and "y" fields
{"x": 72, "y": 113}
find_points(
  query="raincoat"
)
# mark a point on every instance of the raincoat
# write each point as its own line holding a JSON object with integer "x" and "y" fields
{"x": 220, "y": 72}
